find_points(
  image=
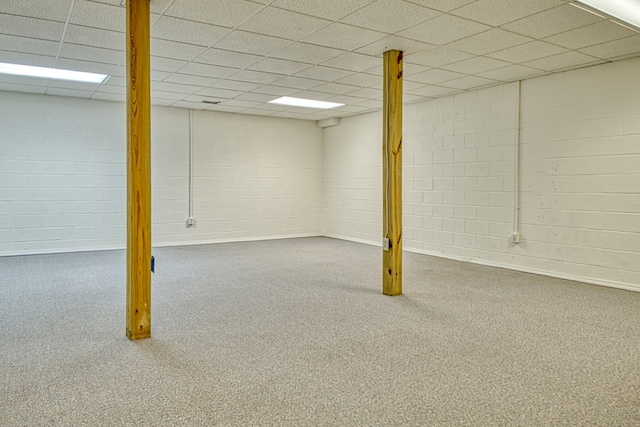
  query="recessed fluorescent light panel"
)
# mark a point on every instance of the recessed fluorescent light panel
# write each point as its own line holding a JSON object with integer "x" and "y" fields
{"x": 624, "y": 10}
{"x": 51, "y": 73}
{"x": 309, "y": 103}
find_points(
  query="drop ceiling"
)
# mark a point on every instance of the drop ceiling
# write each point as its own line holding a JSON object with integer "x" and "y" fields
{"x": 244, "y": 53}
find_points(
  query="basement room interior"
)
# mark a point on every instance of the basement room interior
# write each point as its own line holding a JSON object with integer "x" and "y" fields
{"x": 327, "y": 213}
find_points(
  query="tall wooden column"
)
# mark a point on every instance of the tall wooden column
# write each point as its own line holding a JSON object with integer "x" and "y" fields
{"x": 392, "y": 174}
{"x": 138, "y": 171}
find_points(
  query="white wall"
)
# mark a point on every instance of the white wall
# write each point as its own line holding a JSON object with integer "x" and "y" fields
{"x": 580, "y": 176}
{"x": 62, "y": 175}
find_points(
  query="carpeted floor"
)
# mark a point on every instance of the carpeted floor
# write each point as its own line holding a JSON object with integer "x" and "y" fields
{"x": 297, "y": 333}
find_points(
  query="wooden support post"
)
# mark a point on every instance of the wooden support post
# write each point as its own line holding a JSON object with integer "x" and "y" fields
{"x": 138, "y": 171}
{"x": 392, "y": 174}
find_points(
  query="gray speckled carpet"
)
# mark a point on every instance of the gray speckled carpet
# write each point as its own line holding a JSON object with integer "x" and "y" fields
{"x": 297, "y": 333}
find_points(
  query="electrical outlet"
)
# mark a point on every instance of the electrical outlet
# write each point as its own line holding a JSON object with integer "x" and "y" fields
{"x": 386, "y": 244}
{"x": 515, "y": 238}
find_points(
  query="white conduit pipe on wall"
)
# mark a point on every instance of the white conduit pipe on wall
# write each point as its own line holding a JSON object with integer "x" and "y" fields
{"x": 190, "y": 217}
{"x": 515, "y": 237}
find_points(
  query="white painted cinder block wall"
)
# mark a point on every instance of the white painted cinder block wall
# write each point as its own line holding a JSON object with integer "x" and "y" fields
{"x": 579, "y": 176}
{"x": 63, "y": 165}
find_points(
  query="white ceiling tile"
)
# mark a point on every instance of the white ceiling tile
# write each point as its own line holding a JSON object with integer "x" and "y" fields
{"x": 227, "y": 58}
{"x": 476, "y": 65}
{"x": 489, "y": 41}
{"x": 256, "y": 97}
{"x": 470, "y": 82}
{"x": 311, "y": 94}
{"x": 181, "y": 30}
{"x": 188, "y": 79}
{"x": 211, "y": 71}
{"x": 88, "y": 53}
{"x": 66, "y": 84}
{"x": 91, "y": 67}
{"x": 23, "y": 81}
{"x": 283, "y": 23}
{"x": 158, "y": 6}
{"x": 174, "y": 87}
{"x": 309, "y": 53}
{"x": 226, "y": 13}
{"x": 289, "y": 114}
{"x": 218, "y": 93}
{"x": 255, "y": 77}
{"x": 334, "y": 10}
{"x": 175, "y": 50}
{"x": 434, "y": 91}
{"x": 600, "y": 32}
{"x": 158, "y": 94}
{"x": 349, "y": 109}
{"x": 498, "y": 12}
{"x": 26, "y": 59}
{"x": 375, "y": 71}
{"x": 162, "y": 102}
{"x": 99, "y": 15}
{"x": 28, "y": 45}
{"x": 95, "y": 37}
{"x": 371, "y": 103}
{"x": 166, "y": 64}
{"x": 363, "y": 80}
{"x": 512, "y": 73}
{"x": 436, "y": 57}
{"x": 336, "y": 88}
{"x": 242, "y": 41}
{"x": 411, "y": 69}
{"x": 562, "y": 61}
{"x": 111, "y": 2}
{"x": 354, "y": 62}
{"x": 116, "y": 90}
{"x": 191, "y": 105}
{"x": 615, "y": 49}
{"x": 225, "y": 108}
{"x": 115, "y": 81}
{"x": 343, "y": 36}
{"x": 297, "y": 83}
{"x": 30, "y": 27}
{"x": 435, "y": 76}
{"x": 200, "y": 99}
{"x": 442, "y": 5}
{"x": 236, "y": 85}
{"x": 8, "y": 87}
{"x": 443, "y": 29}
{"x": 112, "y": 97}
{"x": 275, "y": 91}
{"x": 344, "y": 99}
{"x": 157, "y": 76}
{"x": 257, "y": 112}
{"x": 403, "y": 44}
{"x": 52, "y": 10}
{"x": 408, "y": 98}
{"x": 72, "y": 93}
{"x": 527, "y": 52}
{"x": 278, "y": 66}
{"x": 324, "y": 73}
{"x": 368, "y": 93}
{"x": 314, "y": 116}
{"x": 390, "y": 16}
{"x": 409, "y": 85}
{"x": 240, "y": 103}
{"x": 553, "y": 21}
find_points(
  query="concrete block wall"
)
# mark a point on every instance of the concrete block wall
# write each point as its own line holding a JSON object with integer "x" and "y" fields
{"x": 63, "y": 167}
{"x": 579, "y": 176}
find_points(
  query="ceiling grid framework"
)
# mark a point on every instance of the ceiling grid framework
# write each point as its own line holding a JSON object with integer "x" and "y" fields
{"x": 244, "y": 53}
